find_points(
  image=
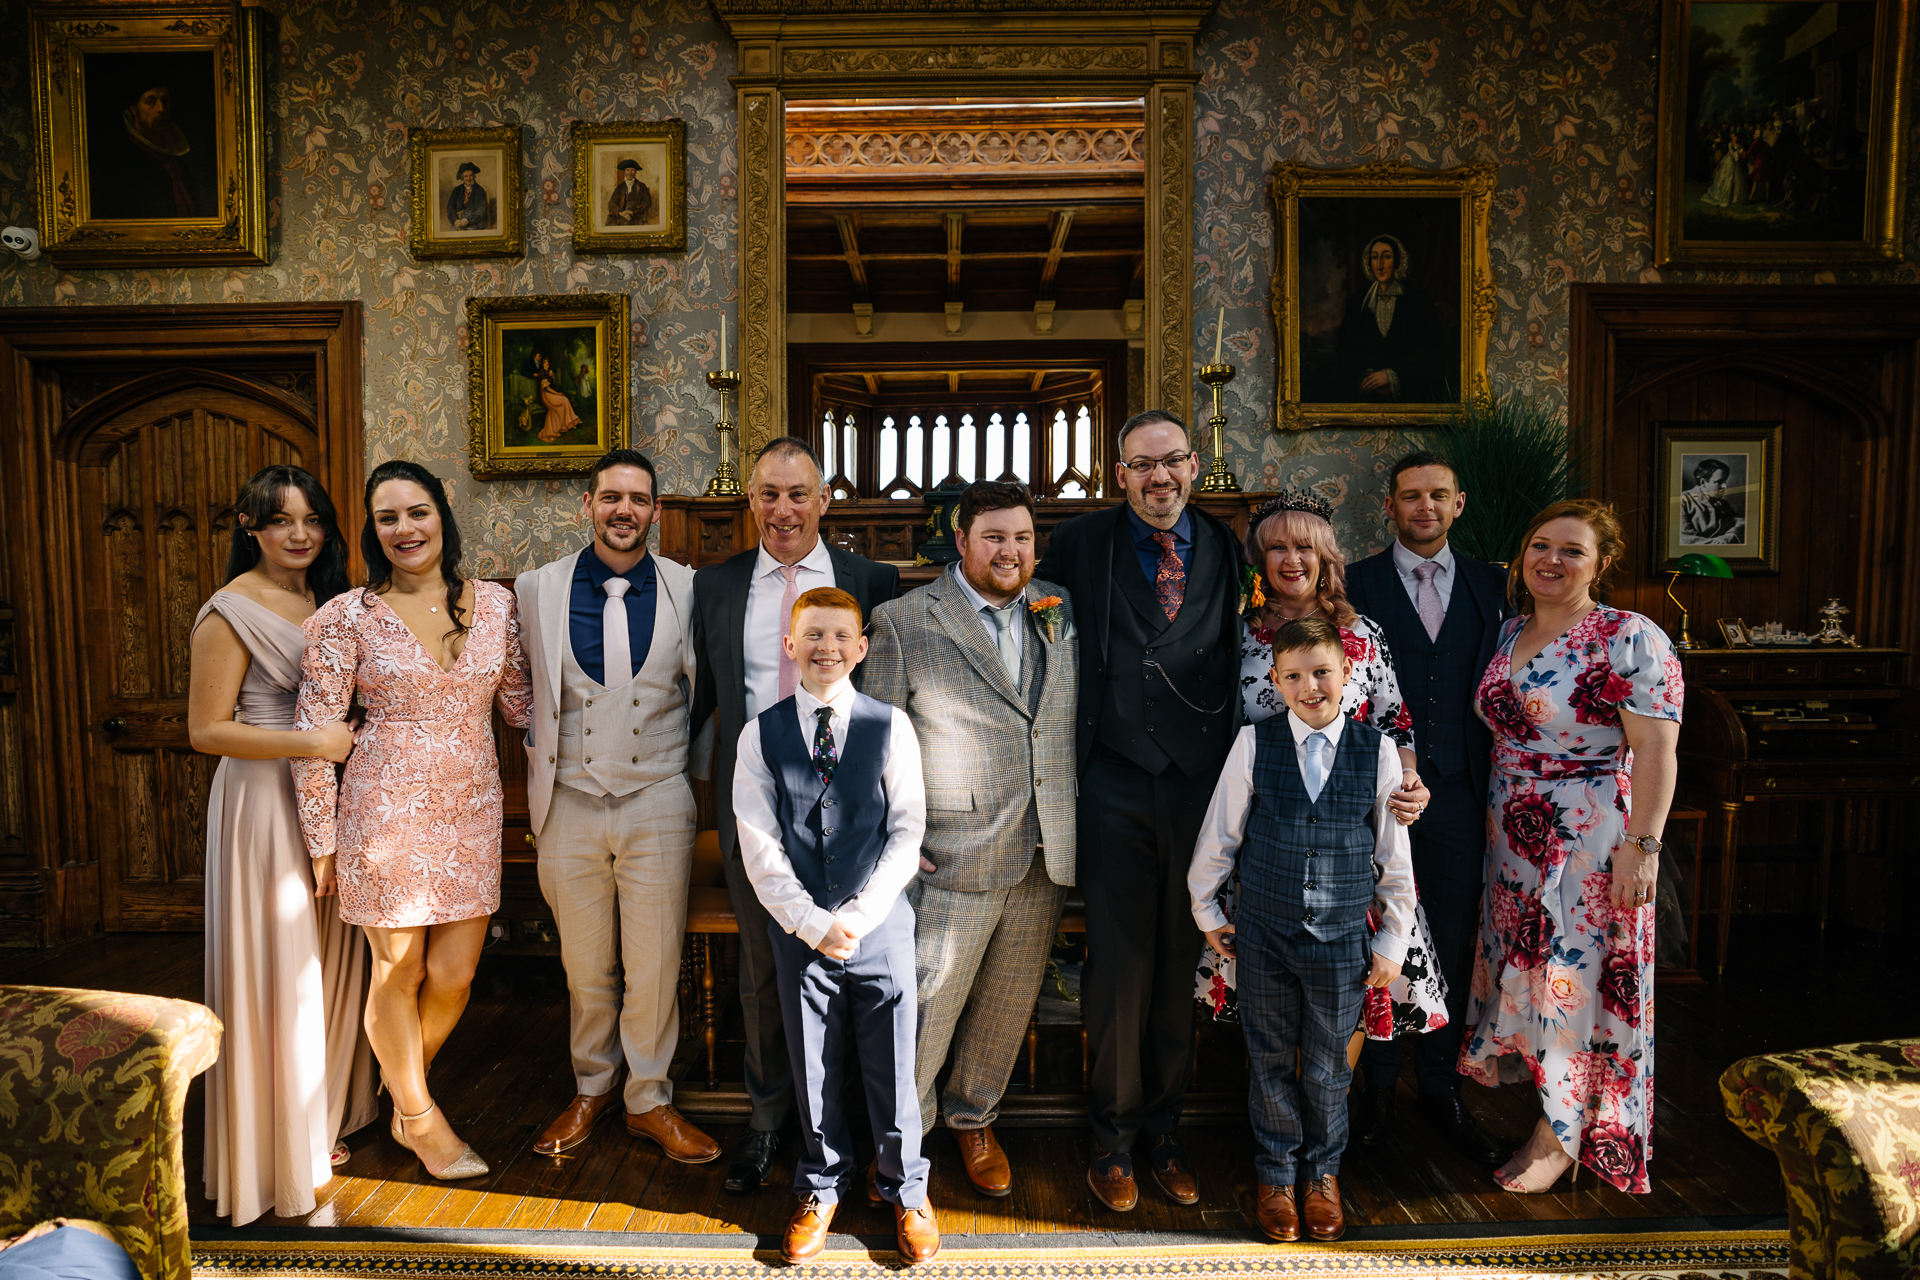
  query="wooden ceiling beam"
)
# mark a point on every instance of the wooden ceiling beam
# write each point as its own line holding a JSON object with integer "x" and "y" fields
{"x": 992, "y": 255}
{"x": 1039, "y": 376}
{"x": 849, "y": 228}
{"x": 1062, "y": 223}
{"x": 955, "y": 222}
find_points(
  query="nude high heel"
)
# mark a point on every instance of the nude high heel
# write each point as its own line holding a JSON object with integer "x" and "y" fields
{"x": 467, "y": 1164}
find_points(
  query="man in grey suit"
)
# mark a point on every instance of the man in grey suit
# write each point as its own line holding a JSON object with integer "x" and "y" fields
{"x": 987, "y": 673}
{"x": 742, "y": 608}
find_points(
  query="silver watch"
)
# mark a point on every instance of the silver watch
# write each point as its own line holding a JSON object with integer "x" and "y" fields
{"x": 1649, "y": 845}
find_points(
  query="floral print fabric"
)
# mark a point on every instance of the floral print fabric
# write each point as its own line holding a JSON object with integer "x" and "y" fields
{"x": 1563, "y": 986}
{"x": 1372, "y": 696}
{"x": 415, "y": 821}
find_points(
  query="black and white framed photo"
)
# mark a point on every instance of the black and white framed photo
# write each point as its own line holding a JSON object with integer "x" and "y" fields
{"x": 1720, "y": 493}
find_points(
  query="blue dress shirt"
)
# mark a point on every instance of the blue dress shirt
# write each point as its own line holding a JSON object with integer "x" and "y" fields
{"x": 586, "y": 618}
{"x": 1149, "y": 550}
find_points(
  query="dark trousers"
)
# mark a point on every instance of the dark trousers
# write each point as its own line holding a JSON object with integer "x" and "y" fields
{"x": 1299, "y": 1001}
{"x": 769, "y": 1076}
{"x": 1449, "y": 863}
{"x": 1137, "y": 833}
{"x": 873, "y": 996}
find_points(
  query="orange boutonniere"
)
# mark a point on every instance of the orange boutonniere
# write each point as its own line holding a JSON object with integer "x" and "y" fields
{"x": 1051, "y": 613}
{"x": 1251, "y": 596}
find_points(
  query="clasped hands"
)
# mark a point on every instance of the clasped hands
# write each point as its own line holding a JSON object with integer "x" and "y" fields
{"x": 1384, "y": 971}
{"x": 1410, "y": 800}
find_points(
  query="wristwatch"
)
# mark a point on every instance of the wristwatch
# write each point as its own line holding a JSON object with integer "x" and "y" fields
{"x": 1649, "y": 845}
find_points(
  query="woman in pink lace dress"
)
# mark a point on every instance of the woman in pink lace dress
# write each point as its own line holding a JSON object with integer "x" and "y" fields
{"x": 411, "y": 834}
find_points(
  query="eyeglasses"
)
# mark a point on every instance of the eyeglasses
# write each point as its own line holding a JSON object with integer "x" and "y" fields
{"x": 1144, "y": 467}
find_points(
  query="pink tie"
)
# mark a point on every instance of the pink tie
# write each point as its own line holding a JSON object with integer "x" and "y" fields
{"x": 789, "y": 669}
{"x": 1426, "y": 599}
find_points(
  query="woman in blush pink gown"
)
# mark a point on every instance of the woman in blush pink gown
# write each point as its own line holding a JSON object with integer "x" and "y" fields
{"x": 412, "y": 832}
{"x": 284, "y": 973}
{"x": 561, "y": 417}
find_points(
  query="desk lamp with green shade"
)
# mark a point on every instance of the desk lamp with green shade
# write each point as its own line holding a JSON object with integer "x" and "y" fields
{"x": 1697, "y": 564}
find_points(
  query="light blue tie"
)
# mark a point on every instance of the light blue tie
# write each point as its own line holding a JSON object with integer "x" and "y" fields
{"x": 1315, "y": 773}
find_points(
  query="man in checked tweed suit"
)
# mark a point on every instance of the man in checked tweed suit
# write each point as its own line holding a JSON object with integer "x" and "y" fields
{"x": 985, "y": 663}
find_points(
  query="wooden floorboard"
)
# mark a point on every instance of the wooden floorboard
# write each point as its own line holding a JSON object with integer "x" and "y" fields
{"x": 503, "y": 1075}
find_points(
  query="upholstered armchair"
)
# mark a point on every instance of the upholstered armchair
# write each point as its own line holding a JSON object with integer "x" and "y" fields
{"x": 93, "y": 1085}
{"x": 1844, "y": 1123}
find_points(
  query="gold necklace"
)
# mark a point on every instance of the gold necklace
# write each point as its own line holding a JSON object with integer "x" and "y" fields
{"x": 304, "y": 595}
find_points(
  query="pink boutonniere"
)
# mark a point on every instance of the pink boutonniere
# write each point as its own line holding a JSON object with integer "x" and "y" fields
{"x": 1051, "y": 613}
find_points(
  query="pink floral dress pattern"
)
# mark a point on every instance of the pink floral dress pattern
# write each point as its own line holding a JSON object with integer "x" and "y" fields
{"x": 415, "y": 822}
{"x": 1563, "y": 986}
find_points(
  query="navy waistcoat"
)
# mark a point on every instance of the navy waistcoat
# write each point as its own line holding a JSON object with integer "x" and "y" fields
{"x": 833, "y": 835}
{"x": 1437, "y": 676}
{"x": 1306, "y": 866}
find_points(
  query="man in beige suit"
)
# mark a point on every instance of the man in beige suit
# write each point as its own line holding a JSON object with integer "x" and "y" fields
{"x": 984, "y": 662}
{"x": 609, "y": 635}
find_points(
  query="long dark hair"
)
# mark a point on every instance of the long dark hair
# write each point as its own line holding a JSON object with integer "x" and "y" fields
{"x": 261, "y": 498}
{"x": 380, "y": 569}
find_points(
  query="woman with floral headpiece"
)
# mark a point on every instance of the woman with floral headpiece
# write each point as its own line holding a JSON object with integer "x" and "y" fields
{"x": 1295, "y": 570}
{"x": 1391, "y": 342}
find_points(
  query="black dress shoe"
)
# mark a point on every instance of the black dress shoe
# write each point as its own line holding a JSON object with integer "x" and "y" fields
{"x": 1451, "y": 1117}
{"x": 1373, "y": 1124}
{"x": 752, "y": 1159}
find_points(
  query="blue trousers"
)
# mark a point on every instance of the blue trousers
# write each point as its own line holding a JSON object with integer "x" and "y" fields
{"x": 69, "y": 1253}
{"x": 874, "y": 993}
{"x": 1299, "y": 1001}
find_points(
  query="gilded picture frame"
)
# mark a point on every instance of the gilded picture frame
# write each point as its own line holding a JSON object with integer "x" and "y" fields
{"x": 546, "y": 383}
{"x": 1783, "y": 130}
{"x": 1719, "y": 493}
{"x": 465, "y": 193}
{"x": 1403, "y": 347}
{"x": 150, "y": 134}
{"x": 644, "y": 214}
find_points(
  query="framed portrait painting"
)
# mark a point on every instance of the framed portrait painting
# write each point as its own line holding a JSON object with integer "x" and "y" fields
{"x": 546, "y": 383}
{"x": 629, "y": 186}
{"x": 1382, "y": 292}
{"x": 465, "y": 193}
{"x": 1783, "y": 132}
{"x": 1720, "y": 493}
{"x": 150, "y": 134}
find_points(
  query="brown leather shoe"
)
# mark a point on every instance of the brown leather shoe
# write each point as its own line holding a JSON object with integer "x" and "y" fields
{"x": 1172, "y": 1170}
{"x": 986, "y": 1164}
{"x": 807, "y": 1231}
{"x": 1279, "y": 1215}
{"x": 1320, "y": 1208}
{"x": 874, "y": 1197}
{"x": 917, "y": 1232}
{"x": 679, "y": 1139}
{"x": 1111, "y": 1178}
{"x": 572, "y": 1126}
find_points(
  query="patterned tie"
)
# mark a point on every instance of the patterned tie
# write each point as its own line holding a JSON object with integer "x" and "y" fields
{"x": 789, "y": 669}
{"x": 825, "y": 758}
{"x": 1315, "y": 774}
{"x": 1170, "y": 577}
{"x": 616, "y": 642}
{"x": 1001, "y": 620}
{"x": 1426, "y": 598}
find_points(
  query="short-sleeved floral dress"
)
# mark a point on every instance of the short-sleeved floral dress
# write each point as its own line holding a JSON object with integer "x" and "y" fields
{"x": 1417, "y": 999}
{"x": 1563, "y": 985}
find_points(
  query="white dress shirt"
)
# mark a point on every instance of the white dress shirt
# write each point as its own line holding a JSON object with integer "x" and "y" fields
{"x": 1406, "y": 561}
{"x": 767, "y": 864}
{"x": 760, "y": 643}
{"x": 1016, "y": 627}
{"x": 1225, "y": 826}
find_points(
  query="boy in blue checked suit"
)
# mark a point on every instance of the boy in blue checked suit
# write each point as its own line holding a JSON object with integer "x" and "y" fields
{"x": 831, "y": 807}
{"x": 1302, "y": 803}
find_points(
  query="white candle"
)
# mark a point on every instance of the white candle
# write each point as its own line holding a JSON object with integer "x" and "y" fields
{"x": 723, "y": 339}
{"x": 1219, "y": 332}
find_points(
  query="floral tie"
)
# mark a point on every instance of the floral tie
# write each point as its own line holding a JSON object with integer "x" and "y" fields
{"x": 1170, "y": 577}
{"x": 825, "y": 758}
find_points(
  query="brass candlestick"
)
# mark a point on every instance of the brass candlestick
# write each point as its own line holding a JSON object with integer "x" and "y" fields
{"x": 724, "y": 483}
{"x": 1219, "y": 479}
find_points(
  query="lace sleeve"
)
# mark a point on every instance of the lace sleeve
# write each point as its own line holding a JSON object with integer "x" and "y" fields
{"x": 326, "y": 690}
{"x": 515, "y": 694}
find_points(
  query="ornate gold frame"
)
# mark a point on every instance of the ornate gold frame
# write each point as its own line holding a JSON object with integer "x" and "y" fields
{"x": 1473, "y": 186}
{"x": 490, "y": 458}
{"x": 586, "y": 135}
{"x": 60, "y": 37}
{"x": 933, "y": 48}
{"x": 422, "y": 202}
{"x": 1883, "y": 236}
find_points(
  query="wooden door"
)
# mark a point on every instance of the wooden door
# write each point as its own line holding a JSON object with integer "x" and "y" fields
{"x": 152, "y": 527}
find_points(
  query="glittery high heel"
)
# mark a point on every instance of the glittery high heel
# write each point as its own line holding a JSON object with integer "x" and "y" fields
{"x": 467, "y": 1164}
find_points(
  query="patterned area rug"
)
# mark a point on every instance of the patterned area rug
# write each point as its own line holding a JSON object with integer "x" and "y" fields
{"x": 1698, "y": 1255}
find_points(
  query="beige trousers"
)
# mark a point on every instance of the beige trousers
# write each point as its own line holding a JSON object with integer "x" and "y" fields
{"x": 614, "y": 869}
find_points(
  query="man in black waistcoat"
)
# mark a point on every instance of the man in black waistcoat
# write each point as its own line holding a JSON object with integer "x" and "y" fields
{"x": 1441, "y": 614}
{"x": 1155, "y": 585}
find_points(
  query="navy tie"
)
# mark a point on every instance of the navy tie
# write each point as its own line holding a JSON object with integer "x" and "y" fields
{"x": 825, "y": 758}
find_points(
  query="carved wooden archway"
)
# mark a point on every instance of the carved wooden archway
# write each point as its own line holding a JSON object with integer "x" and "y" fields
{"x": 925, "y": 48}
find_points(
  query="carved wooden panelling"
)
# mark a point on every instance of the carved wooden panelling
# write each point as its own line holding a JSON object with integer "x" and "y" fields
{"x": 1042, "y": 153}
{"x": 140, "y": 837}
{"x": 716, "y": 539}
{"x": 189, "y": 778}
{"x": 127, "y": 578}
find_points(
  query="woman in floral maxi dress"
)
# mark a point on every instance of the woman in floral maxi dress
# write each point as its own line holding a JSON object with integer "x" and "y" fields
{"x": 1584, "y": 702}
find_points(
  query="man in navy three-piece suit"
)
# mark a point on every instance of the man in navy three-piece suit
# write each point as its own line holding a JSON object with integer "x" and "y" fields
{"x": 1441, "y": 613}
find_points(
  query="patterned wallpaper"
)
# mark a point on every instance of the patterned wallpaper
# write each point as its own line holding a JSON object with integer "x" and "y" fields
{"x": 1560, "y": 93}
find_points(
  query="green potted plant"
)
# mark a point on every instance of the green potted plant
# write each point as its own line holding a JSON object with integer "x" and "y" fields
{"x": 1512, "y": 456}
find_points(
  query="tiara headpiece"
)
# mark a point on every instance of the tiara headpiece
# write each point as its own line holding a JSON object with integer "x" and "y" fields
{"x": 1302, "y": 500}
